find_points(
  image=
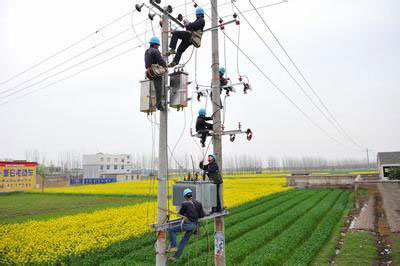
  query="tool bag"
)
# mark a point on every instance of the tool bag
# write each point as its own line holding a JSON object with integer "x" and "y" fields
{"x": 155, "y": 71}
{"x": 196, "y": 38}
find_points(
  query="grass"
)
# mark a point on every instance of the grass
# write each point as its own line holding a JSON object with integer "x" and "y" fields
{"x": 20, "y": 206}
{"x": 327, "y": 252}
{"x": 359, "y": 247}
{"x": 395, "y": 237}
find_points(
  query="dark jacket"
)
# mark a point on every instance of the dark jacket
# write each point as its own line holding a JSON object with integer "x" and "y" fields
{"x": 222, "y": 82}
{"x": 193, "y": 210}
{"x": 198, "y": 24}
{"x": 212, "y": 170}
{"x": 201, "y": 123}
{"x": 153, "y": 56}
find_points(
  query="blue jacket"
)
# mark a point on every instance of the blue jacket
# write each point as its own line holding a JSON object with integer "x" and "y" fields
{"x": 196, "y": 25}
{"x": 153, "y": 56}
{"x": 212, "y": 170}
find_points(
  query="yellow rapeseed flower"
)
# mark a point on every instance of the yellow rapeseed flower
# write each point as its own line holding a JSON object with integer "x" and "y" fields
{"x": 41, "y": 242}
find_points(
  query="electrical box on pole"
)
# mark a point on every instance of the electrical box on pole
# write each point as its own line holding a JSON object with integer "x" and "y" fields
{"x": 147, "y": 96}
{"x": 178, "y": 94}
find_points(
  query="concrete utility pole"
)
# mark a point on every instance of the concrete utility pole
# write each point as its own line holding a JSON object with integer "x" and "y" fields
{"x": 219, "y": 221}
{"x": 368, "y": 158}
{"x": 161, "y": 258}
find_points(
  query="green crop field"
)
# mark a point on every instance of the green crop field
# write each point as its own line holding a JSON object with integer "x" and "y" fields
{"x": 285, "y": 228}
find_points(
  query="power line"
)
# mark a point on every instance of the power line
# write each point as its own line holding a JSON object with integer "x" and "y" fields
{"x": 72, "y": 75}
{"x": 66, "y": 61}
{"x": 65, "y": 49}
{"x": 304, "y": 78}
{"x": 284, "y": 94}
{"x": 287, "y": 71}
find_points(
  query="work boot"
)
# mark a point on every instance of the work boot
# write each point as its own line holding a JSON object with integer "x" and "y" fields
{"x": 170, "y": 52}
{"x": 172, "y": 64}
{"x": 172, "y": 250}
{"x": 172, "y": 258}
{"x": 203, "y": 144}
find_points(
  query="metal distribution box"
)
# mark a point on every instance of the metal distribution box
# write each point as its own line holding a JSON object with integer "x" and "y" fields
{"x": 178, "y": 93}
{"x": 203, "y": 191}
{"x": 147, "y": 96}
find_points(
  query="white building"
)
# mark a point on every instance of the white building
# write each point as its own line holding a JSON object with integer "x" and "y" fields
{"x": 386, "y": 161}
{"x": 106, "y": 165}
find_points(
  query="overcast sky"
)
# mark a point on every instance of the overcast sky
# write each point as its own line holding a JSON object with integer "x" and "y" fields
{"x": 348, "y": 51}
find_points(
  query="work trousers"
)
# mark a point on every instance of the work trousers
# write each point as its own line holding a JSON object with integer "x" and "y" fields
{"x": 188, "y": 227}
{"x": 158, "y": 82}
{"x": 204, "y": 133}
{"x": 185, "y": 37}
{"x": 219, "y": 208}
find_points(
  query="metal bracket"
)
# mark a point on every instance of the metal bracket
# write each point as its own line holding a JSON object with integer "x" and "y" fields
{"x": 165, "y": 226}
{"x": 166, "y": 13}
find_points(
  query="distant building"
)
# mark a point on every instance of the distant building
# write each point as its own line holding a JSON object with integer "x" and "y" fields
{"x": 102, "y": 165}
{"x": 17, "y": 175}
{"x": 387, "y": 161}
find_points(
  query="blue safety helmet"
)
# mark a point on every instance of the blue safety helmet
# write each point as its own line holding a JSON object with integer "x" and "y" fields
{"x": 214, "y": 156}
{"x": 202, "y": 111}
{"x": 222, "y": 70}
{"x": 187, "y": 191}
{"x": 154, "y": 40}
{"x": 199, "y": 11}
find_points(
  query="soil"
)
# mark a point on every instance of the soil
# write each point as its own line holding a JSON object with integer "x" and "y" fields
{"x": 391, "y": 202}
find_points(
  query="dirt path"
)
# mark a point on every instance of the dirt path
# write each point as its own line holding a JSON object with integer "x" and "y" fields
{"x": 390, "y": 194}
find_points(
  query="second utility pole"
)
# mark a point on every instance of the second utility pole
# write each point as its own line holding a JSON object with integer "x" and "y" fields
{"x": 217, "y": 128}
{"x": 161, "y": 258}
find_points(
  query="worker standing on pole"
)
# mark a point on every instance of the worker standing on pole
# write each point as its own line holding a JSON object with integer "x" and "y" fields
{"x": 202, "y": 127}
{"x": 212, "y": 170}
{"x": 156, "y": 67}
{"x": 224, "y": 81}
{"x": 192, "y": 36}
{"x": 192, "y": 210}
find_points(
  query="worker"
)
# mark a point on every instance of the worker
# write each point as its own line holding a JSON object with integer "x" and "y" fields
{"x": 156, "y": 67}
{"x": 224, "y": 81}
{"x": 192, "y": 210}
{"x": 212, "y": 171}
{"x": 202, "y": 127}
{"x": 192, "y": 36}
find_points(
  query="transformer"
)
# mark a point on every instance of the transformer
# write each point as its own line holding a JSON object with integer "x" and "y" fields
{"x": 147, "y": 96}
{"x": 178, "y": 93}
{"x": 203, "y": 191}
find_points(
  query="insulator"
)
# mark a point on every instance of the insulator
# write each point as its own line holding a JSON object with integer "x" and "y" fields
{"x": 221, "y": 21}
{"x": 180, "y": 17}
{"x": 222, "y": 27}
{"x": 157, "y": 1}
{"x": 151, "y": 16}
{"x": 160, "y": 23}
{"x": 235, "y": 15}
{"x": 237, "y": 22}
{"x": 169, "y": 9}
{"x": 240, "y": 79}
{"x": 195, "y": 5}
{"x": 232, "y": 137}
{"x": 139, "y": 7}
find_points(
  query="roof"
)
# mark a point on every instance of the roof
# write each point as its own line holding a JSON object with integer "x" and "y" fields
{"x": 14, "y": 164}
{"x": 389, "y": 157}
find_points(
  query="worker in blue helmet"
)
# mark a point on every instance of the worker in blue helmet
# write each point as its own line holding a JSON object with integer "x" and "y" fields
{"x": 212, "y": 171}
{"x": 202, "y": 127}
{"x": 156, "y": 67}
{"x": 191, "y": 36}
{"x": 192, "y": 210}
{"x": 224, "y": 81}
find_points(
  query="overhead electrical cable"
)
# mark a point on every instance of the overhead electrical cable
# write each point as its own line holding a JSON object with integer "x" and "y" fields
{"x": 304, "y": 78}
{"x": 72, "y": 75}
{"x": 69, "y": 68}
{"x": 285, "y": 95}
{"x": 66, "y": 48}
{"x": 288, "y": 72}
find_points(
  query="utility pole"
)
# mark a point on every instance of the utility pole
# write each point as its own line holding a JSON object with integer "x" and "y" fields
{"x": 161, "y": 258}
{"x": 367, "y": 158}
{"x": 217, "y": 128}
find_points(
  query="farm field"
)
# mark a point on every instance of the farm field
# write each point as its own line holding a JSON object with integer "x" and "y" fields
{"x": 285, "y": 227}
{"x": 70, "y": 223}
